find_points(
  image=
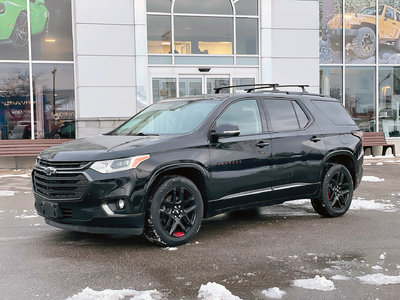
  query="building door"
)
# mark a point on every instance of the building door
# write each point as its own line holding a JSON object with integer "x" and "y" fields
{"x": 201, "y": 84}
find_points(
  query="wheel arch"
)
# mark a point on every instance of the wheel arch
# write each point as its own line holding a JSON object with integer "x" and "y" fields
{"x": 343, "y": 157}
{"x": 193, "y": 171}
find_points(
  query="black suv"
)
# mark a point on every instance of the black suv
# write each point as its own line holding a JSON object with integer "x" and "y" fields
{"x": 185, "y": 159}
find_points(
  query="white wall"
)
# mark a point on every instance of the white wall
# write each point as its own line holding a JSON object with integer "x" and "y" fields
{"x": 290, "y": 42}
{"x": 110, "y": 62}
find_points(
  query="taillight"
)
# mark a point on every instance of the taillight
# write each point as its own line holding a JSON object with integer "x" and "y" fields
{"x": 358, "y": 134}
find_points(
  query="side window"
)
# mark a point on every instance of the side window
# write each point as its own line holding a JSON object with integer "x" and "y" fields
{"x": 389, "y": 13}
{"x": 244, "y": 114}
{"x": 301, "y": 116}
{"x": 282, "y": 115}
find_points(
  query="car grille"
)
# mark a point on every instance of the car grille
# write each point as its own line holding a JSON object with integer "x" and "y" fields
{"x": 66, "y": 183}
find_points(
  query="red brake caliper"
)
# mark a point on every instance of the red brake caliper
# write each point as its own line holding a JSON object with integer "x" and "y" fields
{"x": 178, "y": 234}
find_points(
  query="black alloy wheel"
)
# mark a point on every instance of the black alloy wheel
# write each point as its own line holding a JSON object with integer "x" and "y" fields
{"x": 337, "y": 192}
{"x": 19, "y": 35}
{"x": 175, "y": 212}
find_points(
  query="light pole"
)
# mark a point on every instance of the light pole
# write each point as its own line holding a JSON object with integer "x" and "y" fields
{"x": 54, "y": 90}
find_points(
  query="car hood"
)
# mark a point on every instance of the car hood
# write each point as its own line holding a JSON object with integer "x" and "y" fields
{"x": 103, "y": 147}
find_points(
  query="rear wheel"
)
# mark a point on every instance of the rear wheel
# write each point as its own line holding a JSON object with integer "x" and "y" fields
{"x": 174, "y": 213}
{"x": 336, "y": 194}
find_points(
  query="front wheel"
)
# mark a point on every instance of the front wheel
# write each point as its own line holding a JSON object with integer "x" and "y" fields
{"x": 336, "y": 194}
{"x": 364, "y": 43}
{"x": 19, "y": 35}
{"x": 174, "y": 213}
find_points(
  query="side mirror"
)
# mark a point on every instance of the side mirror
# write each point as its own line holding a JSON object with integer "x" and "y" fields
{"x": 224, "y": 130}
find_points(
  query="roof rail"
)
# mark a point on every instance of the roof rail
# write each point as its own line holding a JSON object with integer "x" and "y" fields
{"x": 275, "y": 86}
{"x": 259, "y": 85}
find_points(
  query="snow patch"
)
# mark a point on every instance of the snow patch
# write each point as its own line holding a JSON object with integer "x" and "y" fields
{"x": 317, "y": 283}
{"x": 215, "y": 291}
{"x": 379, "y": 279}
{"x": 27, "y": 175}
{"x": 372, "y": 179}
{"x": 171, "y": 248}
{"x": 378, "y": 156}
{"x": 340, "y": 277}
{"x": 376, "y": 267}
{"x": 382, "y": 256}
{"x": 89, "y": 294}
{"x": 273, "y": 293}
{"x": 7, "y": 193}
{"x": 361, "y": 204}
{"x": 379, "y": 164}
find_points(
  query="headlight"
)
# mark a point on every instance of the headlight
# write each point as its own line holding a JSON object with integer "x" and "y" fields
{"x": 2, "y": 8}
{"x": 117, "y": 165}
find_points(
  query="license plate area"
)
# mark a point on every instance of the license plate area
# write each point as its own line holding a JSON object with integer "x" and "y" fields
{"x": 50, "y": 210}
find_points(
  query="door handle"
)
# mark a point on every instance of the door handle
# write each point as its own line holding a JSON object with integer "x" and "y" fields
{"x": 315, "y": 139}
{"x": 262, "y": 144}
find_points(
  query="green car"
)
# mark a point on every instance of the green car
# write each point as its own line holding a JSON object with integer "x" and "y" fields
{"x": 14, "y": 23}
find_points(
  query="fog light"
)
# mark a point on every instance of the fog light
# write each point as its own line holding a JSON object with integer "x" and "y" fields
{"x": 121, "y": 204}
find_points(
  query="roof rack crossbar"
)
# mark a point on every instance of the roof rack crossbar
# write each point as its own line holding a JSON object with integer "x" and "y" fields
{"x": 218, "y": 89}
{"x": 275, "y": 86}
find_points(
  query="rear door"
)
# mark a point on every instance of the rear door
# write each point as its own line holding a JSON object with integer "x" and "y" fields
{"x": 241, "y": 166}
{"x": 297, "y": 146}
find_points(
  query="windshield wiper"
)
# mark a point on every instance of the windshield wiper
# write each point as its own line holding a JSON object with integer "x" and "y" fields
{"x": 146, "y": 134}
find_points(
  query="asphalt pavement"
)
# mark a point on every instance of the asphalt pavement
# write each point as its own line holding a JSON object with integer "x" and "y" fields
{"x": 247, "y": 251}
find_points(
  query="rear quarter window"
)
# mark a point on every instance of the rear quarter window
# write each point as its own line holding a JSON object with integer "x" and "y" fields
{"x": 334, "y": 112}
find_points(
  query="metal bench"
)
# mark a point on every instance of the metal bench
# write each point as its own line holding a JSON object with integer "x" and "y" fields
{"x": 371, "y": 139}
{"x": 20, "y": 148}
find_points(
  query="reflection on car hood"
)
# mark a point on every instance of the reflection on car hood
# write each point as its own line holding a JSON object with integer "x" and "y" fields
{"x": 100, "y": 148}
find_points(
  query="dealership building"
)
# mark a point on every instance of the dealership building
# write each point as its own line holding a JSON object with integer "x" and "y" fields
{"x": 76, "y": 68}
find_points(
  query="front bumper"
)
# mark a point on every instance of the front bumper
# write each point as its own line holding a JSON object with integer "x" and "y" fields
{"x": 96, "y": 210}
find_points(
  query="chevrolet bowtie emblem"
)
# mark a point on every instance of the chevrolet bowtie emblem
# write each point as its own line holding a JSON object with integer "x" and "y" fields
{"x": 50, "y": 171}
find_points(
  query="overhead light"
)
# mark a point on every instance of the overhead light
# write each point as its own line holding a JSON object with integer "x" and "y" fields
{"x": 166, "y": 43}
{"x": 50, "y": 40}
{"x": 188, "y": 28}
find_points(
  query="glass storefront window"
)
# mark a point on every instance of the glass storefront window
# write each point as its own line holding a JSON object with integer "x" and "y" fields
{"x": 389, "y": 101}
{"x": 220, "y": 7}
{"x": 241, "y": 81}
{"x": 246, "y": 7}
{"x": 13, "y": 31}
{"x": 51, "y": 29}
{"x": 15, "y": 106}
{"x": 389, "y": 27}
{"x": 158, "y": 6}
{"x": 54, "y": 101}
{"x": 360, "y": 96}
{"x": 203, "y": 35}
{"x": 360, "y": 31}
{"x": 331, "y": 31}
{"x": 331, "y": 82}
{"x": 163, "y": 88}
{"x": 158, "y": 34}
{"x": 246, "y": 36}
{"x": 215, "y": 83}
{"x": 190, "y": 86}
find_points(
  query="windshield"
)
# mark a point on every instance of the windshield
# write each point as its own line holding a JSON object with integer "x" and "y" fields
{"x": 171, "y": 117}
{"x": 372, "y": 11}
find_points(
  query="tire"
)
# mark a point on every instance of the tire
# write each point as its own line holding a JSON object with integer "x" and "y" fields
{"x": 19, "y": 36}
{"x": 364, "y": 43}
{"x": 336, "y": 194}
{"x": 174, "y": 213}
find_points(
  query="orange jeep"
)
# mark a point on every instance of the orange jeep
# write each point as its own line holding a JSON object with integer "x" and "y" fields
{"x": 360, "y": 30}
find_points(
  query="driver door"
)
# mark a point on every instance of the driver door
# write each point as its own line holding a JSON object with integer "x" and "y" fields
{"x": 241, "y": 165}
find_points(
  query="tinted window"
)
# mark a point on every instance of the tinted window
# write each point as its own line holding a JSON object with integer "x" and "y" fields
{"x": 281, "y": 115}
{"x": 335, "y": 112}
{"x": 244, "y": 114}
{"x": 301, "y": 116}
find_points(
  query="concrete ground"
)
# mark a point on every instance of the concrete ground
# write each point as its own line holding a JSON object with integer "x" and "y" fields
{"x": 247, "y": 252}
